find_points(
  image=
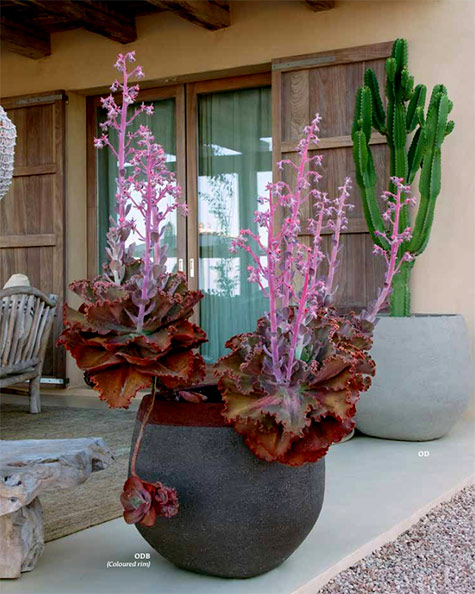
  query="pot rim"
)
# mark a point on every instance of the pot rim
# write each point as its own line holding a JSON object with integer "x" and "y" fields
{"x": 184, "y": 414}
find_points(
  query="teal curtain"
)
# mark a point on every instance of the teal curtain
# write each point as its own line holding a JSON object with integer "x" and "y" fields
{"x": 235, "y": 165}
{"x": 162, "y": 124}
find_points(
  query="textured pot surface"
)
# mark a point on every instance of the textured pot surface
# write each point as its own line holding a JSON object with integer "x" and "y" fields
{"x": 239, "y": 516}
{"x": 423, "y": 378}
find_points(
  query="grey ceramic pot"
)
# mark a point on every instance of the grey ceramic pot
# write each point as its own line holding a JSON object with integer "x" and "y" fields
{"x": 239, "y": 516}
{"x": 423, "y": 378}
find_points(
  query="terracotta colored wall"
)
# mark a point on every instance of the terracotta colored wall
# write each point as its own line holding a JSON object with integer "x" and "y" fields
{"x": 441, "y": 40}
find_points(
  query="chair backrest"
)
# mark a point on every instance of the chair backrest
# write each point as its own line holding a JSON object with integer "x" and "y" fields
{"x": 26, "y": 317}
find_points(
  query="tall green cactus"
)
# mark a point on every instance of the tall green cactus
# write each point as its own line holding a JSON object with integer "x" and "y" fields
{"x": 404, "y": 116}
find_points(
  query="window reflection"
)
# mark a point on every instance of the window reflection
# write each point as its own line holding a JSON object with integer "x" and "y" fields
{"x": 218, "y": 225}
{"x": 235, "y": 166}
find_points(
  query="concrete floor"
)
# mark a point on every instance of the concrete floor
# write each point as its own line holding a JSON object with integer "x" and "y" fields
{"x": 375, "y": 490}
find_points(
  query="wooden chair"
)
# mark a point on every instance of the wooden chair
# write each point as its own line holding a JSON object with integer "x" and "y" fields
{"x": 26, "y": 318}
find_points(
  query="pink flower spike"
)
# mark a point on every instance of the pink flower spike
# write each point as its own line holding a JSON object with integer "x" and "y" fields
{"x": 285, "y": 259}
{"x": 147, "y": 160}
{"x": 394, "y": 238}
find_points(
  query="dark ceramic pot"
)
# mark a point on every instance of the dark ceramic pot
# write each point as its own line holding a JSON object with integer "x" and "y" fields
{"x": 239, "y": 516}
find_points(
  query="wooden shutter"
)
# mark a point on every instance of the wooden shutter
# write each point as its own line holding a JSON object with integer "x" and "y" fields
{"x": 327, "y": 83}
{"x": 32, "y": 213}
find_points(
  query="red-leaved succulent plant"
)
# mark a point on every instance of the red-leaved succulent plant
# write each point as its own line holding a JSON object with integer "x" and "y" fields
{"x": 296, "y": 422}
{"x": 119, "y": 357}
{"x": 132, "y": 329}
{"x": 291, "y": 386}
{"x": 143, "y": 502}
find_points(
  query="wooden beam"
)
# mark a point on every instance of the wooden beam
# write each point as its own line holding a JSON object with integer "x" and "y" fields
{"x": 23, "y": 40}
{"x": 95, "y": 16}
{"x": 210, "y": 14}
{"x": 319, "y": 5}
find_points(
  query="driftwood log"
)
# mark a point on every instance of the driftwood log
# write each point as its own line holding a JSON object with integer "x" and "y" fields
{"x": 27, "y": 468}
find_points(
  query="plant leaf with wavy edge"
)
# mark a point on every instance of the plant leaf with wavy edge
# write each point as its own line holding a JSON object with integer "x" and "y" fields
{"x": 296, "y": 422}
{"x": 120, "y": 358}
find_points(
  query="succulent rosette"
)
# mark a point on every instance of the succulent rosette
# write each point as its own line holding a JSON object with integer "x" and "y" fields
{"x": 118, "y": 357}
{"x": 132, "y": 329}
{"x": 137, "y": 502}
{"x": 143, "y": 502}
{"x": 295, "y": 422}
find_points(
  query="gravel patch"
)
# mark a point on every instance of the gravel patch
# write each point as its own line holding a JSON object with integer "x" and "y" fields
{"x": 435, "y": 556}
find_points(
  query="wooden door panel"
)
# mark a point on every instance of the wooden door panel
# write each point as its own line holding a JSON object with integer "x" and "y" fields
{"x": 359, "y": 272}
{"x": 334, "y": 87}
{"x": 27, "y": 208}
{"x": 32, "y": 213}
{"x": 305, "y": 92}
{"x": 326, "y": 83}
{"x": 337, "y": 164}
{"x": 34, "y": 123}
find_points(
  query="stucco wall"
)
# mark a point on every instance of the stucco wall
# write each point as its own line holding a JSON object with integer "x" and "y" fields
{"x": 441, "y": 41}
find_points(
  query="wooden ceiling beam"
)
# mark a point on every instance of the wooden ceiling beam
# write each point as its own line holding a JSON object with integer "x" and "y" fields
{"x": 94, "y": 15}
{"x": 24, "y": 40}
{"x": 319, "y": 5}
{"x": 210, "y": 14}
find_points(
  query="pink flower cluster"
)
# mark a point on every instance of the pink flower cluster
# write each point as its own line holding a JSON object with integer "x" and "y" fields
{"x": 118, "y": 120}
{"x": 394, "y": 238}
{"x": 289, "y": 263}
{"x": 288, "y": 272}
{"x": 154, "y": 194}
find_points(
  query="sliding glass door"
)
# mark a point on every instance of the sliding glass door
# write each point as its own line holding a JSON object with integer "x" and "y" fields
{"x": 234, "y": 167}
